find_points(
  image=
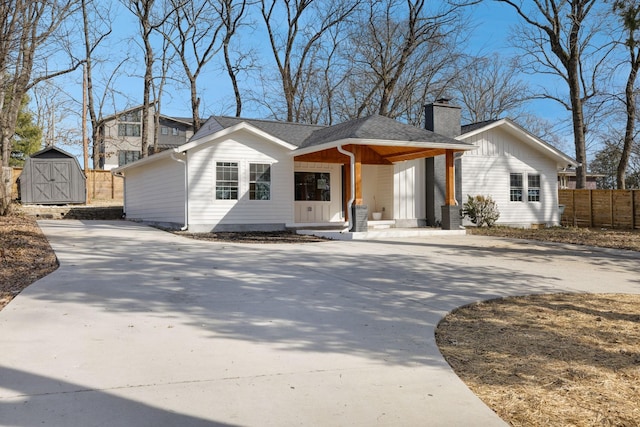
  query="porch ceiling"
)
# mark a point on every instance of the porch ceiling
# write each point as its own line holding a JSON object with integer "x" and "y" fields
{"x": 372, "y": 154}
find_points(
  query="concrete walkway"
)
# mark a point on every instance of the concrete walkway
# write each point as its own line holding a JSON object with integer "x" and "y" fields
{"x": 139, "y": 327}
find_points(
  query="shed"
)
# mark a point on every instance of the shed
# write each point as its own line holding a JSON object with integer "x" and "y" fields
{"x": 52, "y": 177}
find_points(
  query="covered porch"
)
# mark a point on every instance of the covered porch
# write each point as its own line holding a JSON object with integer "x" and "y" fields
{"x": 355, "y": 153}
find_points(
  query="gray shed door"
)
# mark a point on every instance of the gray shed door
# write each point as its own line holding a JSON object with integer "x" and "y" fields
{"x": 51, "y": 181}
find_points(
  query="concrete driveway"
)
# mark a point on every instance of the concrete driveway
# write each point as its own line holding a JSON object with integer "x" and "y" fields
{"x": 139, "y": 327}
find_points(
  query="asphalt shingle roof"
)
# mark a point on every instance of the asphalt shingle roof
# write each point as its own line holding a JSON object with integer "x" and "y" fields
{"x": 304, "y": 135}
{"x": 374, "y": 127}
{"x": 475, "y": 126}
{"x": 293, "y": 133}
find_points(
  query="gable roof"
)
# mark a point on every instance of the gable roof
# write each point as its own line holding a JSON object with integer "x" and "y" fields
{"x": 292, "y": 133}
{"x": 374, "y": 127}
{"x": 511, "y": 127}
{"x": 52, "y": 152}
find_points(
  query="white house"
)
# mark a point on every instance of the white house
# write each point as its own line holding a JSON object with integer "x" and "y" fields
{"x": 240, "y": 174}
{"x": 517, "y": 169}
{"x": 246, "y": 174}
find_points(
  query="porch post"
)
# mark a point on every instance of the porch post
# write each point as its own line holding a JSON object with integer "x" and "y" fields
{"x": 450, "y": 212}
{"x": 357, "y": 151}
{"x": 359, "y": 210}
{"x": 450, "y": 196}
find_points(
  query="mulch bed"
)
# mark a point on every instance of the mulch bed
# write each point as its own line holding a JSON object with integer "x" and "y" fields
{"x": 25, "y": 255}
{"x": 254, "y": 237}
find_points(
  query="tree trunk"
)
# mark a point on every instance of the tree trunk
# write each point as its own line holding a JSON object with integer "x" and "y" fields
{"x": 629, "y": 131}
{"x": 234, "y": 79}
{"x": 195, "y": 105}
{"x": 146, "y": 102}
{"x": 5, "y": 190}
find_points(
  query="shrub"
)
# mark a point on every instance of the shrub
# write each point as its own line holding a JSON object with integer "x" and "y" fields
{"x": 481, "y": 210}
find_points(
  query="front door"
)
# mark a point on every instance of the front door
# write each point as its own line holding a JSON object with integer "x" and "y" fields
{"x": 318, "y": 198}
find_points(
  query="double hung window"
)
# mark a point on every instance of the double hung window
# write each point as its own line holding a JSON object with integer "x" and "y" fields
{"x": 226, "y": 181}
{"x": 259, "y": 181}
{"x": 515, "y": 192}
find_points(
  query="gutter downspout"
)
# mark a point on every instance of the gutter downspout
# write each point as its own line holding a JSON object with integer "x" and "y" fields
{"x": 353, "y": 185}
{"x": 124, "y": 192}
{"x": 186, "y": 191}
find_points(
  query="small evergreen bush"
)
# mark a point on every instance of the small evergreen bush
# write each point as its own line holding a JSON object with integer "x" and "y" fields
{"x": 481, "y": 210}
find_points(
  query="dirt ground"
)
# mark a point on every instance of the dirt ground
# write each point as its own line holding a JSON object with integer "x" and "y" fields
{"x": 550, "y": 360}
{"x": 607, "y": 238}
{"x": 537, "y": 360}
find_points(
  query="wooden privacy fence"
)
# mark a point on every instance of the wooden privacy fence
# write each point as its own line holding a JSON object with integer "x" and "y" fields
{"x": 102, "y": 186}
{"x": 600, "y": 208}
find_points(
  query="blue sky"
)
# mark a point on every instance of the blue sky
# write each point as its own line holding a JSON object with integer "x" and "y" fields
{"x": 492, "y": 22}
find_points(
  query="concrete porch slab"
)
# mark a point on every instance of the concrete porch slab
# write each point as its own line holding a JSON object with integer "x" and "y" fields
{"x": 381, "y": 234}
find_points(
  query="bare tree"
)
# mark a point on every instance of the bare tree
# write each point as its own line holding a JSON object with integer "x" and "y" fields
{"x": 488, "y": 89}
{"x": 557, "y": 37}
{"x": 150, "y": 18}
{"x": 231, "y": 13}
{"x": 628, "y": 12}
{"x": 193, "y": 32}
{"x": 307, "y": 22}
{"x": 157, "y": 87}
{"x": 401, "y": 53}
{"x": 96, "y": 28}
{"x": 30, "y": 32}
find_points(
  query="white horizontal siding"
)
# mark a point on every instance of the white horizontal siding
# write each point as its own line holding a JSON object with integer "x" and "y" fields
{"x": 486, "y": 171}
{"x": 155, "y": 192}
{"x": 244, "y": 149}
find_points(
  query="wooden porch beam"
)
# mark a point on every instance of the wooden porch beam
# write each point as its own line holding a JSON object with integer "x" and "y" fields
{"x": 450, "y": 197}
{"x": 412, "y": 155}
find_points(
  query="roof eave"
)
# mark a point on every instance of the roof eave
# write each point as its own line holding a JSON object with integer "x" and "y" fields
{"x": 232, "y": 129}
{"x": 381, "y": 142}
{"x": 144, "y": 161}
{"x": 562, "y": 160}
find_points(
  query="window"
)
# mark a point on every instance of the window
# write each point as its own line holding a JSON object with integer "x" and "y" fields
{"x": 226, "y": 180}
{"x": 128, "y": 129}
{"x": 516, "y": 187}
{"x": 313, "y": 186}
{"x": 125, "y": 157}
{"x": 164, "y": 130}
{"x": 131, "y": 116}
{"x": 175, "y": 131}
{"x": 533, "y": 188}
{"x": 259, "y": 181}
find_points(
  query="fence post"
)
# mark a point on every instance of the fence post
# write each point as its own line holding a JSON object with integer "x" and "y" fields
{"x": 590, "y": 208}
{"x": 633, "y": 209}
{"x": 611, "y": 208}
{"x": 575, "y": 215}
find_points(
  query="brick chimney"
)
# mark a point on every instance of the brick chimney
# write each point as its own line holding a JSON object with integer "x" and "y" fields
{"x": 442, "y": 118}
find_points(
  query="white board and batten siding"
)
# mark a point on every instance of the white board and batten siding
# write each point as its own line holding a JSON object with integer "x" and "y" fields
{"x": 409, "y": 202}
{"x": 206, "y": 213}
{"x": 156, "y": 194}
{"x": 486, "y": 171}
